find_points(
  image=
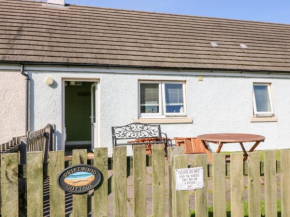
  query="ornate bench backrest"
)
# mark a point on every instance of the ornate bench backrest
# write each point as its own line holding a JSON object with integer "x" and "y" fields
{"x": 136, "y": 131}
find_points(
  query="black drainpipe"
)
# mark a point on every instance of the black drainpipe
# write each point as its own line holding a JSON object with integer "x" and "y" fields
{"x": 26, "y": 97}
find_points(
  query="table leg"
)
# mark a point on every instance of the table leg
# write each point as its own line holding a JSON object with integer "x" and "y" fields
{"x": 254, "y": 146}
{"x": 207, "y": 151}
{"x": 220, "y": 147}
{"x": 244, "y": 150}
{"x": 251, "y": 150}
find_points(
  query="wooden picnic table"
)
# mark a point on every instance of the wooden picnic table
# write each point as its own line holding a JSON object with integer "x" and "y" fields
{"x": 222, "y": 138}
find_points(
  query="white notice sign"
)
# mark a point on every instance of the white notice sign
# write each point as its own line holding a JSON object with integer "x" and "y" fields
{"x": 189, "y": 178}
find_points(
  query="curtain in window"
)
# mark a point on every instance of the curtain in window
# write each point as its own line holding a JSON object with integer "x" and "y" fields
{"x": 262, "y": 98}
{"x": 174, "y": 98}
{"x": 149, "y": 98}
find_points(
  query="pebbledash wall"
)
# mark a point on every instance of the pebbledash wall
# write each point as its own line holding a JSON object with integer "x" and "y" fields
{"x": 12, "y": 104}
{"x": 222, "y": 102}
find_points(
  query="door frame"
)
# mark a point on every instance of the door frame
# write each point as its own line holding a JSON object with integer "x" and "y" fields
{"x": 95, "y": 80}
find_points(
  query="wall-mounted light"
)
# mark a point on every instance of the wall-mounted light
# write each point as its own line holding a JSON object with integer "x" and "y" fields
{"x": 49, "y": 81}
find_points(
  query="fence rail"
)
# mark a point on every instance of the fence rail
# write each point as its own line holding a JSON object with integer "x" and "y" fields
{"x": 111, "y": 198}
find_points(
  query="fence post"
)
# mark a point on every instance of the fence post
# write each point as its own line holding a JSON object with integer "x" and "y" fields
{"x": 285, "y": 180}
{"x": 47, "y": 140}
{"x": 254, "y": 185}
{"x": 120, "y": 181}
{"x": 80, "y": 202}
{"x": 51, "y": 137}
{"x": 158, "y": 183}
{"x": 270, "y": 184}
{"x": 201, "y": 210}
{"x": 172, "y": 152}
{"x": 57, "y": 195}
{"x": 237, "y": 185}
{"x": 139, "y": 164}
{"x": 23, "y": 150}
{"x": 35, "y": 184}
{"x": 181, "y": 206}
{"x": 100, "y": 202}
{"x": 219, "y": 185}
{"x": 9, "y": 185}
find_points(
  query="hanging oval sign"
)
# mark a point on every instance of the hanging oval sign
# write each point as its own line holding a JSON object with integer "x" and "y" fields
{"x": 79, "y": 179}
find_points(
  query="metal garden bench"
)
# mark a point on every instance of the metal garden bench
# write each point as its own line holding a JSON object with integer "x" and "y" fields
{"x": 143, "y": 134}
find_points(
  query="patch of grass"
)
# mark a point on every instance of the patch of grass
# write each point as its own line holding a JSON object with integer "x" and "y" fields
{"x": 246, "y": 208}
{"x": 277, "y": 155}
{"x": 261, "y": 154}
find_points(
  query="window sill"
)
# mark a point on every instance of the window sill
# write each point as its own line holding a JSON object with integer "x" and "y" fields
{"x": 264, "y": 119}
{"x": 163, "y": 120}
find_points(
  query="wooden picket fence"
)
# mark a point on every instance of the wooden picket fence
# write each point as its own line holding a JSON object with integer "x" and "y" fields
{"x": 39, "y": 140}
{"x": 258, "y": 174}
{"x": 11, "y": 146}
{"x": 117, "y": 169}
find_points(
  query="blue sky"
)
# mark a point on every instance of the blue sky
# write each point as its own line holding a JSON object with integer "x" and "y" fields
{"x": 277, "y": 11}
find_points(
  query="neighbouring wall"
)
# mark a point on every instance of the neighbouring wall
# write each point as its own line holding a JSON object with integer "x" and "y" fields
{"x": 218, "y": 104}
{"x": 12, "y": 105}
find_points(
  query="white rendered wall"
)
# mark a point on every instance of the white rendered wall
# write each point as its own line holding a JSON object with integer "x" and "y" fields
{"x": 216, "y": 104}
{"x": 12, "y": 105}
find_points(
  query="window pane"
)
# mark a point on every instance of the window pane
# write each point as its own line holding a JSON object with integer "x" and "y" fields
{"x": 149, "y": 98}
{"x": 174, "y": 98}
{"x": 149, "y": 109}
{"x": 174, "y": 109}
{"x": 262, "y": 98}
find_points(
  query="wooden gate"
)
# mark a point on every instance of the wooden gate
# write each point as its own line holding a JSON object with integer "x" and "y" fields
{"x": 119, "y": 168}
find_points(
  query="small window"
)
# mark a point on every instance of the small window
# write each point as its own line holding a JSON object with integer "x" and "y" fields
{"x": 174, "y": 100}
{"x": 162, "y": 99}
{"x": 262, "y": 100}
{"x": 149, "y": 98}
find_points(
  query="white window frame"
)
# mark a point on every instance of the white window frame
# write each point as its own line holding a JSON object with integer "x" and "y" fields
{"x": 265, "y": 114}
{"x": 162, "y": 100}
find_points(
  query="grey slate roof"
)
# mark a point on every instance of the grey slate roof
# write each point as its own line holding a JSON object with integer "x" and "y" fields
{"x": 33, "y": 33}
